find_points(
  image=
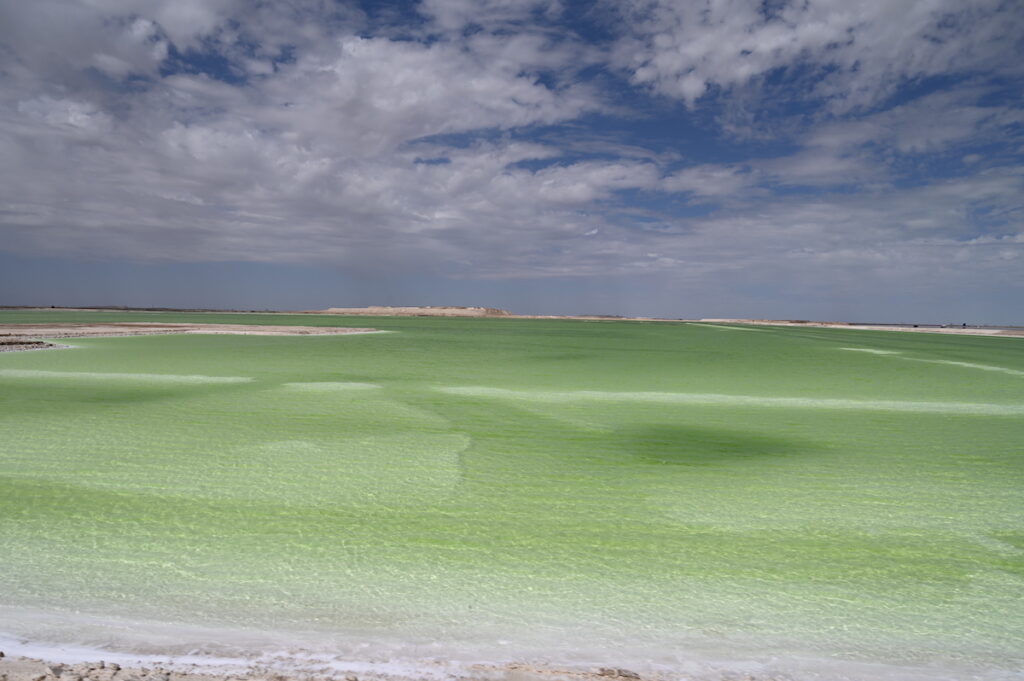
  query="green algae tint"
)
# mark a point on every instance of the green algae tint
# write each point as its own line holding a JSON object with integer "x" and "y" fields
{"x": 653, "y": 495}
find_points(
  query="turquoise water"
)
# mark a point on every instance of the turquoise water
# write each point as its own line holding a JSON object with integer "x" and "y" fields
{"x": 654, "y": 495}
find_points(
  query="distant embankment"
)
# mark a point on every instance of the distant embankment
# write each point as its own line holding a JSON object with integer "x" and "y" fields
{"x": 427, "y": 311}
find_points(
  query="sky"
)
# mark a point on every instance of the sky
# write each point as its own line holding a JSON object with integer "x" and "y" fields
{"x": 857, "y": 160}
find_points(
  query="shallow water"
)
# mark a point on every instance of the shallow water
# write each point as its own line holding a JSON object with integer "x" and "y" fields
{"x": 662, "y": 497}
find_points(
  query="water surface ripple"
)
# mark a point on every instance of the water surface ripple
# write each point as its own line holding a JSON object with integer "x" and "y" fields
{"x": 665, "y": 498}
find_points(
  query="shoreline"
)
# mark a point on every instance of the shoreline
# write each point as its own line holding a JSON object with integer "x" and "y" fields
{"x": 452, "y": 312}
{"x": 26, "y": 337}
{"x": 52, "y": 662}
{"x": 202, "y": 653}
{"x": 18, "y": 668}
{"x": 1010, "y": 331}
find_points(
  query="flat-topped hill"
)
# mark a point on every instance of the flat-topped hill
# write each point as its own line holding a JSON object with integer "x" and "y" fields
{"x": 422, "y": 311}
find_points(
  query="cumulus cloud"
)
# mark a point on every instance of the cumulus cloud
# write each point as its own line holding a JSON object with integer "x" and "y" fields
{"x": 501, "y": 140}
{"x": 306, "y": 163}
{"x": 855, "y": 53}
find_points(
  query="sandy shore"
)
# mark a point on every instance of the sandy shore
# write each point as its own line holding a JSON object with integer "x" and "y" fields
{"x": 22, "y": 337}
{"x": 16, "y": 337}
{"x": 494, "y": 312}
{"x": 916, "y": 328}
{"x": 17, "y": 668}
{"x": 31, "y": 669}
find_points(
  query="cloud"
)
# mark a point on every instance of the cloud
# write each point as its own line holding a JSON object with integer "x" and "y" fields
{"x": 376, "y": 93}
{"x": 480, "y": 140}
{"x": 455, "y": 15}
{"x": 853, "y": 54}
{"x": 184, "y": 22}
{"x": 313, "y": 160}
{"x": 91, "y": 45}
{"x": 928, "y": 124}
{"x": 711, "y": 180}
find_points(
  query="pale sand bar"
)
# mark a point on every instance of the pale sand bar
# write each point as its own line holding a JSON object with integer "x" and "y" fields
{"x": 955, "y": 330}
{"x": 15, "y": 337}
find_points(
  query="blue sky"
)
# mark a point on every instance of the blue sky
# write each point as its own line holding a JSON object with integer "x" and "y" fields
{"x": 826, "y": 159}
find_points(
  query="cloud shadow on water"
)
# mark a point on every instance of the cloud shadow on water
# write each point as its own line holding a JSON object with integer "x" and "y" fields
{"x": 698, "y": 446}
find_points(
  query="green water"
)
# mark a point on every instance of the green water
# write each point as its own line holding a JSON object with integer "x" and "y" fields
{"x": 620, "y": 492}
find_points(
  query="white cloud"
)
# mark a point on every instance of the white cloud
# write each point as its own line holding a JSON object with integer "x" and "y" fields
{"x": 857, "y": 52}
{"x": 313, "y": 161}
{"x": 454, "y": 15}
{"x": 183, "y": 21}
{"x": 324, "y": 143}
{"x": 929, "y": 123}
{"x": 819, "y": 167}
{"x": 711, "y": 180}
{"x": 57, "y": 42}
{"x": 377, "y": 92}
{"x": 67, "y": 116}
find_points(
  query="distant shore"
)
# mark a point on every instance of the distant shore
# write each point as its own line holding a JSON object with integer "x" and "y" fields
{"x": 963, "y": 330}
{"x": 495, "y": 313}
